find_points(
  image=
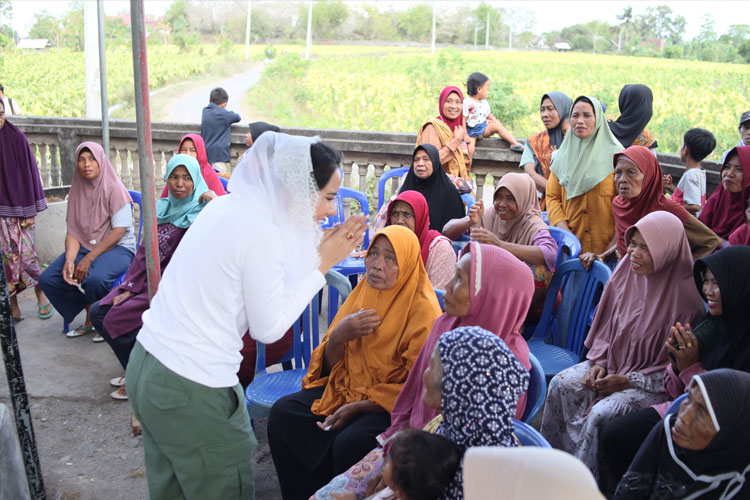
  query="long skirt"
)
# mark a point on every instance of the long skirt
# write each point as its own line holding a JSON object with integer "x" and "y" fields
{"x": 69, "y": 300}
{"x": 569, "y": 425}
{"x": 19, "y": 255}
{"x": 307, "y": 457}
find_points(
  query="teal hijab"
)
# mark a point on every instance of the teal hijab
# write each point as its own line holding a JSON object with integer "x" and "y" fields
{"x": 581, "y": 164}
{"x": 182, "y": 213}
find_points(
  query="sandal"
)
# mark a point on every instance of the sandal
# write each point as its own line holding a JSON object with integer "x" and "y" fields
{"x": 48, "y": 314}
{"x": 81, "y": 330}
{"x": 117, "y": 381}
{"x": 97, "y": 338}
{"x": 120, "y": 394}
{"x": 18, "y": 319}
{"x": 518, "y": 148}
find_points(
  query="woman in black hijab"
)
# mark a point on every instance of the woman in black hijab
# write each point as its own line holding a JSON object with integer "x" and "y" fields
{"x": 636, "y": 109}
{"x": 257, "y": 129}
{"x": 427, "y": 176}
{"x": 703, "y": 451}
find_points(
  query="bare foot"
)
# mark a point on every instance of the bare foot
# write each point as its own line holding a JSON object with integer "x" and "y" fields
{"x": 15, "y": 310}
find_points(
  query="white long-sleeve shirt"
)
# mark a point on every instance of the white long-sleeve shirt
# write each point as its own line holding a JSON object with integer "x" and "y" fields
{"x": 225, "y": 277}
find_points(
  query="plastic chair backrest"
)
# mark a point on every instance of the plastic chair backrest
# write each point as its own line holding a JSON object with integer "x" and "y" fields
{"x": 596, "y": 279}
{"x": 460, "y": 243}
{"x": 306, "y": 338}
{"x": 544, "y": 217}
{"x": 439, "y": 294}
{"x": 345, "y": 192}
{"x": 136, "y": 196}
{"x": 675, "y": 406}
{"x": 224, "y": 182}
{"x": 393, "y": 172}
{"x": 528, "y": 436}
{"x": 568, "y": 246}
{"x": 537, "y": 391}
{"x": 339, "y": 286}
{"x": 468, "y": 200}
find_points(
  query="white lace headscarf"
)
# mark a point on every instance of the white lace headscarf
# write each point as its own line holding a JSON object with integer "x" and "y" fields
{"x": 277, "y": 172}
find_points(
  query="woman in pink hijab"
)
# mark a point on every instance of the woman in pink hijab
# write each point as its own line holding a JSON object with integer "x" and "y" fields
{"x": 650, "y": 290}
{"x": 193, "y": 145}
{"x": 474, "y": 297}
{"x": 100, "y": 242}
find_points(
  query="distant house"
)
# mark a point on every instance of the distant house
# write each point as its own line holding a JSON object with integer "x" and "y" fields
{"x": 538, "y": 43}
{"x": 562, "y": 47}
{"x": 33, "y": 44}
{"x": 657, "y": 44}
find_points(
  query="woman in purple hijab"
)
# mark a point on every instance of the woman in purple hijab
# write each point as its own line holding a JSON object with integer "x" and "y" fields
{"x": 21, "y": 198}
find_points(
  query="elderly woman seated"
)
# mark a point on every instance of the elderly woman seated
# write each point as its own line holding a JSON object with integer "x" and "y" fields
{"x": 357, "y": 371}
{"x": 703, "y": 451}
{"x": 473, "y": 298}
{"x": 410, "y": 210}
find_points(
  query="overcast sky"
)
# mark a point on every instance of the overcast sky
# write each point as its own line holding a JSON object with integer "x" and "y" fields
{"x": 550, "y": 15}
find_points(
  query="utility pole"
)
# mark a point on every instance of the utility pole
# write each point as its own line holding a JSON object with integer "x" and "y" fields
{"x": 91, "y": 58}
{"x": 487, "y": 33}
{"x": 309, "y": 30}
{"x": 510, "y": 37}
{"x": 103, "y": 77}
{"x": 433, "y": 26}
{"x": 247, "y": 29}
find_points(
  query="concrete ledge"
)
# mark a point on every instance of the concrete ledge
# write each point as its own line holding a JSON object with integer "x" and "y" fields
{"x": 13, "y": 485}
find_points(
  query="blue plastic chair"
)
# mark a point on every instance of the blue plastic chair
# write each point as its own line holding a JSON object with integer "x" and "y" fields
{"x": 553, "y": 357}
{"x": 568, "y": 246}
{"x": 675, "y": 406}
{"x": 537, "y": 392}
{"x": 528, "y": 436}
{"x": 349, "y": 265}
{"x": 266, "y": 388}
{"x": 136, "y": 196}
{"x": 460, "y": 243}
{"x": 545, "y": 218}
{"x": 336, "y": 281}
{"x": 468, "y": 200}
{"x": 224, "y": 182}
{"x": 393, "y": 172}
{"x": 439, "y": 294}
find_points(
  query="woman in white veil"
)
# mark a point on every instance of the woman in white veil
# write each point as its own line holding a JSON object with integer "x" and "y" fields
{"x": 252, "y": 260}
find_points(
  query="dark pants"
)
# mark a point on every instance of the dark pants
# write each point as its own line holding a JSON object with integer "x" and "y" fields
{"x": 623, "y": 436}
{"x": 307, "y": 457}
{"x": 123, "y": 344}
{"x": 68, "y": 299}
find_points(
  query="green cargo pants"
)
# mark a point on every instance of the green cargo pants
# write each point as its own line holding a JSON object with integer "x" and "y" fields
{"x": 197, "y": 440}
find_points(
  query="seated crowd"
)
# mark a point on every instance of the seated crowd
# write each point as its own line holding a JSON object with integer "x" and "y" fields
{"x": 399, "y": 392}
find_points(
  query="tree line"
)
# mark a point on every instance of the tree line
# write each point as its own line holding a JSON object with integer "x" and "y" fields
{"x": 658, "y": 32}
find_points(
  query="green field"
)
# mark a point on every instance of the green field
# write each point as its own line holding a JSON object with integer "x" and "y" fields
{"x": 395, "y": 88}
{"x": 398, "y": 92}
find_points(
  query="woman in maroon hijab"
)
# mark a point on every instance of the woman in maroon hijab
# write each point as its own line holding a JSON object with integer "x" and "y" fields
{"x": 21, "y": 199}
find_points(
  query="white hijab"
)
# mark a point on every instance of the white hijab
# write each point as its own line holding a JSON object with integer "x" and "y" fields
{"x": 277, "y": 172}
{"x": 525, "y": 473}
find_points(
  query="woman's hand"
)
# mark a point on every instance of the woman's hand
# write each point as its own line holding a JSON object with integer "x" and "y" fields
{"x": 355, "y": 325}
{"x": 341, "y": 417}
{"x": 459, "y": 132}
{"x": 67, "y": 272}
{"x": 376, "y": 483}
{"x": 593, "y": 374}
{"x": 588, "y": 258}
{"x": 686, "y": 354}
{"x": 82, "y": 269}
{"x": 611, "y": 384}
{"x": 476, "y": 212}
{"x": 206, "y": 197}
{"x": 666, "y": 181}
{"x": 119, "y": 298}
{"x": 27, "y": 223}
{"x": 340, "y": 241}
{"x": 485, "y": 236}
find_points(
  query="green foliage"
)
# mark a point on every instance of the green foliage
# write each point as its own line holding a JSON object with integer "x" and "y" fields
{"x": 327, "y": 16}
{"x": 398, "y": 92}
{"x": 415, "y": 23}
{"x": 269, "y": 52}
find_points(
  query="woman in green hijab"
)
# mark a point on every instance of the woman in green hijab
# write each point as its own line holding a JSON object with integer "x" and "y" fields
{"x": 581, "y": 186}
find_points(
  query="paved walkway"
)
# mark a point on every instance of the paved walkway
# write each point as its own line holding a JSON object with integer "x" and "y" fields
{"x": 188, "y": 108}
{"x": 83, "y": 436}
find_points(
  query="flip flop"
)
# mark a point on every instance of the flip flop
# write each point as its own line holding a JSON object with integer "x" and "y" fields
{"x": 18, "y": 319}
{"x": 117, "y": 381}
{"x": 97, "y": 338}
{"x": 517, "y": 149}
{"x": 118, "y": 394}
{"x": 46, "y": 315}
{"x": 81, "y": 330}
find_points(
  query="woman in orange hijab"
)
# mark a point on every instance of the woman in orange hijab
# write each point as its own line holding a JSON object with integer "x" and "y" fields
{"x": 357, "y": 371}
